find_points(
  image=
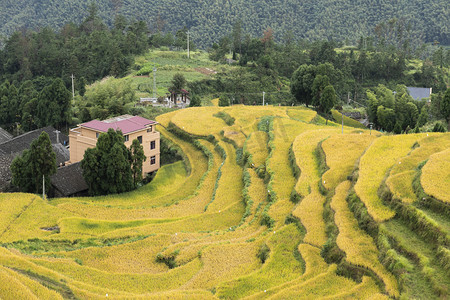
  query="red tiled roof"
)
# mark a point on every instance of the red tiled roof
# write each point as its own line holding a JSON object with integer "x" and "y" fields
{"x": 126, "y": 125}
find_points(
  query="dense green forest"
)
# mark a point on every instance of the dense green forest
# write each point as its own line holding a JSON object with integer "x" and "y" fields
{"x": 209, "y": 20}
{"x": 36, "y": 69}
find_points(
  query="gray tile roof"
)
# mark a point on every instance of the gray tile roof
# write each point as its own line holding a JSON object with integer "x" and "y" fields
{"x": 69, "y": 180}
{"x": 14, "y": 147}
{"x": 22, "y": 142}
{"x": 4, "y": 136}
{"x": 419, "y": 93}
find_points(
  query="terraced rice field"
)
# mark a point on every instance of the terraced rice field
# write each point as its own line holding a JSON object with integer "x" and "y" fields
{"x": 265, "y": 204}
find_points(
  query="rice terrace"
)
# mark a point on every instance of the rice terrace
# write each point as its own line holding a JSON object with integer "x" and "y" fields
{"x": 268, "y": 202}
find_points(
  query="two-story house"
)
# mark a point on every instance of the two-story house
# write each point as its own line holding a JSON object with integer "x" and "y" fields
{"x": 133, "y": 127}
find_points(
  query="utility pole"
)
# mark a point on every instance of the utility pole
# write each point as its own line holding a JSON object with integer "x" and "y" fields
{"x": 73, "y": 89}
{"x": 264, "y": 93}
{"x": 188, "y": 54}
{"x": 154, "y": 82}
{"x": 43, "y": 187}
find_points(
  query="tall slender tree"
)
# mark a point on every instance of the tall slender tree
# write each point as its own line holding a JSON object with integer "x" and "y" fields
{"x": 137, "y": 159}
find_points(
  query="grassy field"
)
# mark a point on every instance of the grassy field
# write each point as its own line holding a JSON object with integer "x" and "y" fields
{"x": 262, "y": 195}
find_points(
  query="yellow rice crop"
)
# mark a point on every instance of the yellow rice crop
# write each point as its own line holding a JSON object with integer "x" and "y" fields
{"x": 11, "y": 206}
{"x": 205, "y": 123}
{"x": 310, "y": 213}
{"x": 257, "y": 191}
{"x": 283, "y": 181}
{"x": 304, "y": 146}
{"x": 310, "y": 209}
{"x": 39, "y": 214}
{"x": 222, "y": 220}
{"x": 280, "y": 267}
{"x": 365, "y": 290}
{"x": 341, "y": 153}
{"x": 230, "y": 184}
{"x": 256, "y": 145}
{"x": 359, "y": 247}
{"x": 374, "y": 164}
{"x": 320, "y": 286}
{"x": 214, "y": 253}
{"x": 314, "y": 265}
{"x": 126, "y": 258}
{"x": 235, "y": 134}
{"x": 38, "y": 290}
{"x": 402, "y": 174}
{"x": 128, "y": 282}
{"x": 301, "y": 114}
{"x": 246, "y": 120}
{"x": 164, "y": 119}
{"x": 222, "y": 262}
{"x": 401, "y": 186}
{"x": 11, "y": 288}
{"x": 191, "y": 205}
{"x": 435, "y": 177}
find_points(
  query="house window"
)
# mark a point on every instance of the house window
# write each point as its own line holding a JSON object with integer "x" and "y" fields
{"x": 126, "y": 137}
{"x": 139, "y": 138}
{"x": 153, "y": 160}
{"x": 97, "y": 135}
{"x": 149, "y": 128}
{"x": 152, "y": 145}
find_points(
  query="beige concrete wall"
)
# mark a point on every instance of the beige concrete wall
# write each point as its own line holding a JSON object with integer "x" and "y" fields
{"x": 80, "y": 139}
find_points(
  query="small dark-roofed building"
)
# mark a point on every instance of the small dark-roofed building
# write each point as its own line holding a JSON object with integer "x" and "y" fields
{"x": 14, "y": 147}
{"x": 419, "y": 93}
{"x": 68, "y": 181}
{"x": 4, "y": 136}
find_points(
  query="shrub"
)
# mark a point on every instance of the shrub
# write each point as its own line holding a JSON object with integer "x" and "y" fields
{"x": 263, "y": 253}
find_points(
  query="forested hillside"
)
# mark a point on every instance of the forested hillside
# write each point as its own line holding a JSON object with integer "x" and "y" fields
{"x": 209, "y": 20}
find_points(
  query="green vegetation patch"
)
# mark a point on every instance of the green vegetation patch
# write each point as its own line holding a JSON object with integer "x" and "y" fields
{"x": 34, "y": 246}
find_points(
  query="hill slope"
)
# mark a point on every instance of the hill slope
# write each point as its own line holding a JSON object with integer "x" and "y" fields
{"x": 209, "y": 20}
{"x": 266, "y": 211}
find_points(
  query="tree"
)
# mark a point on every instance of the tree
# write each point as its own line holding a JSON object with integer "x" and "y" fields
{"x": 91, "y": 171}
{"x": 54, "y": 105}
{"x": 438, "y": 127}
{"x": 104, "y": 99}
{"x": 237, "y": 38}
{"x": 195, "y": 101}
{"x": 327, "y": 100}
{"x": 178, "y": 82}
{"x": 386, "y": 118}
{"x": 445, "y": 107}
{"x": 397, "y": 128}
{"x": 372, "y": 107}
{"x": 137, "y": 159}
{"x": 318, "y": 87}
{"x": 301, "y": 84}
{"x": 411, "y": 115}
{"x": 27, "y": 169}
{"x": 107, "y": 167}
{"x": 224, "y": 100}
{"x": 21, "y": 172}
{"x": 423, "y": 117}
